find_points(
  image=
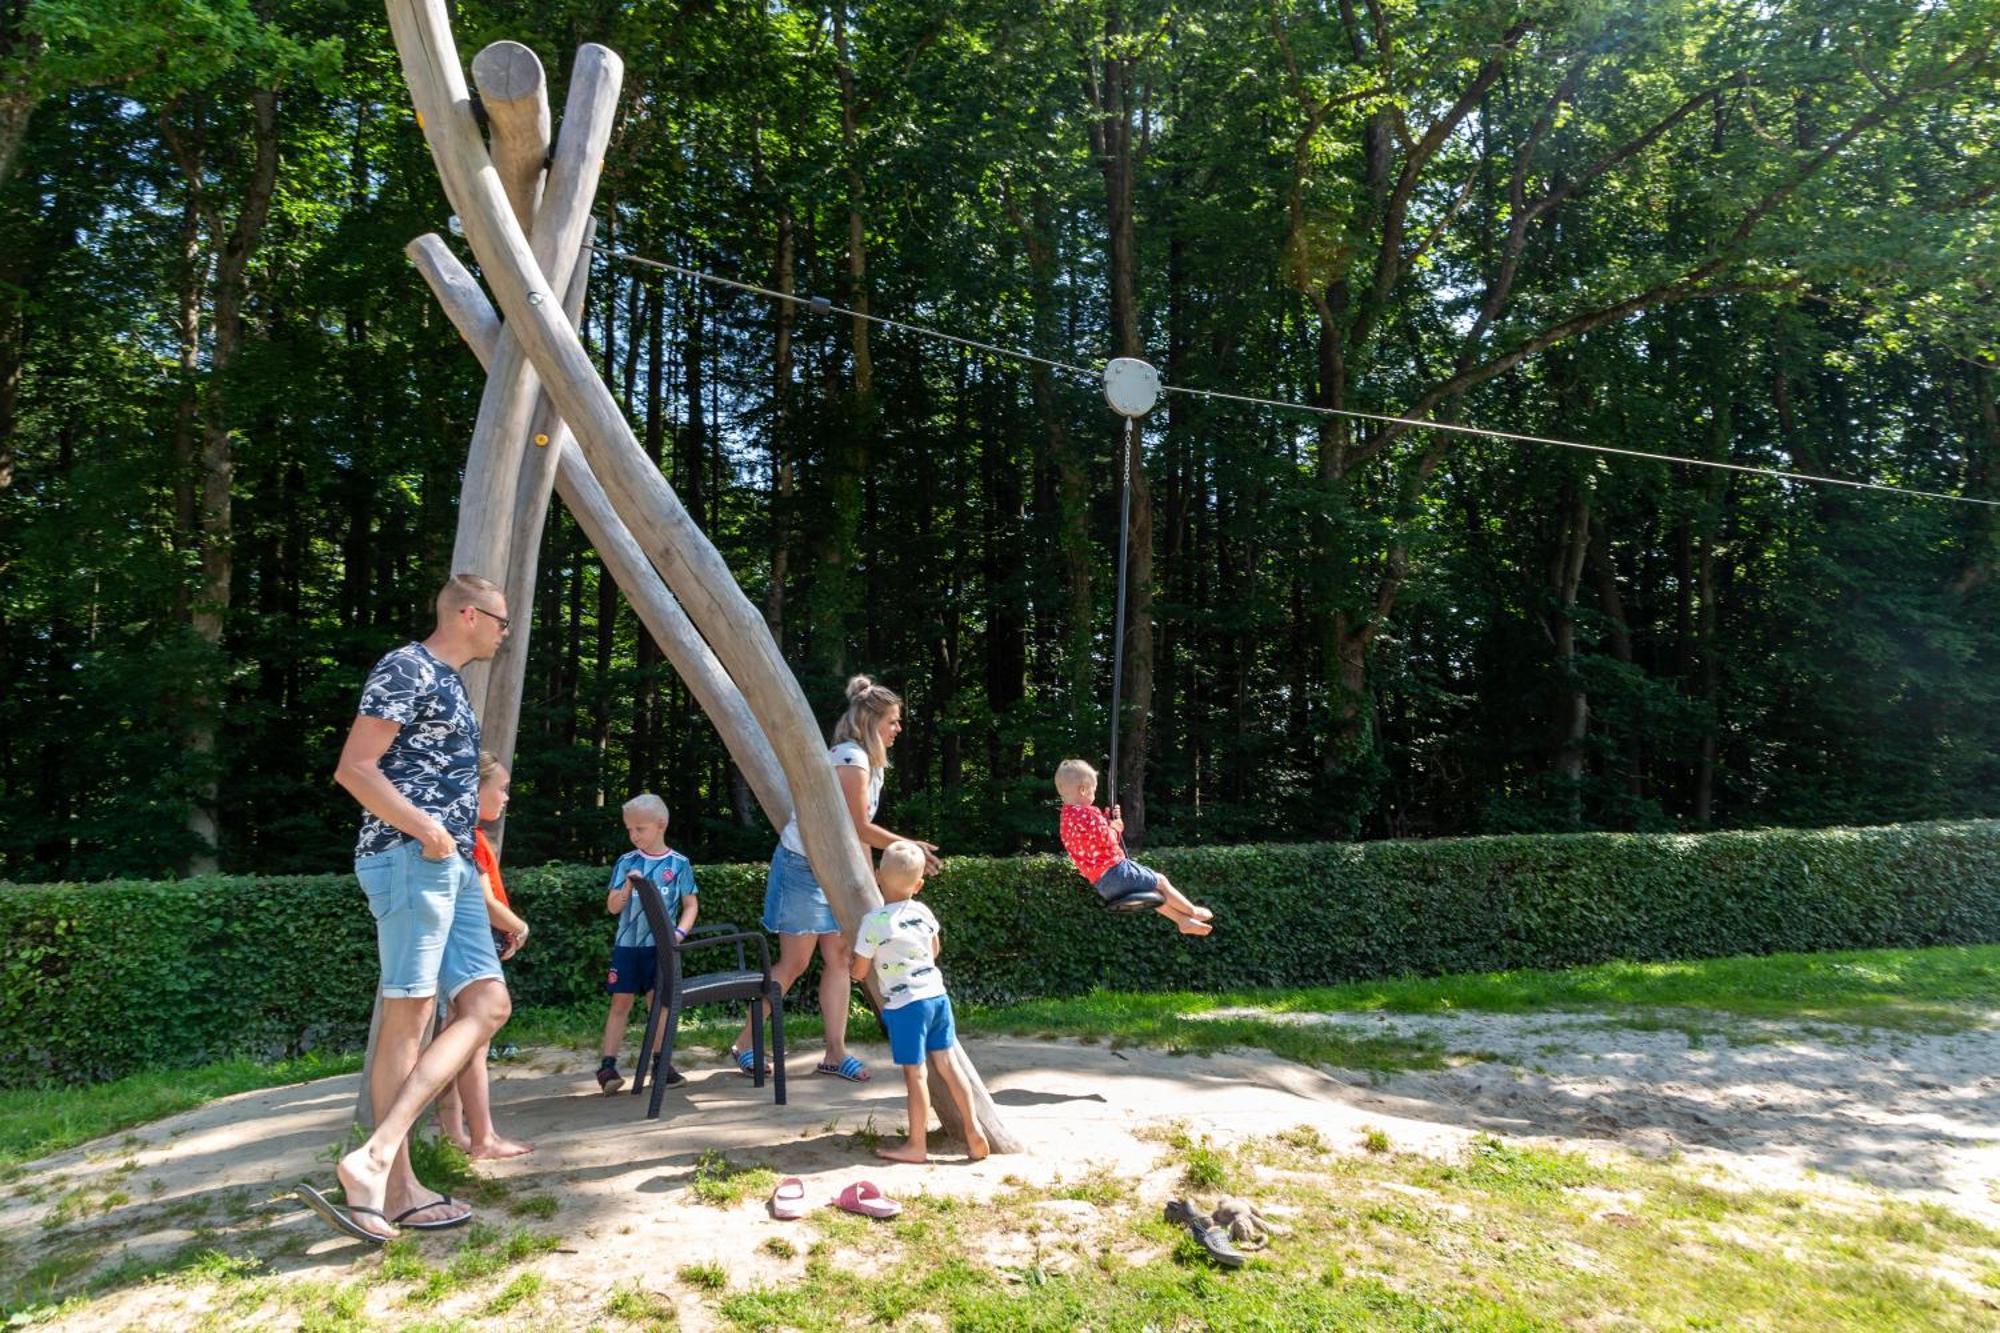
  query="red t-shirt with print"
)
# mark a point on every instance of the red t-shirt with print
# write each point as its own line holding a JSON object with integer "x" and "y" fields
{"x": 1090, "y": 840}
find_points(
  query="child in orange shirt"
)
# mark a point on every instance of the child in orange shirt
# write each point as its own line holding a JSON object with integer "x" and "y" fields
{"x": 466, "y": 1104}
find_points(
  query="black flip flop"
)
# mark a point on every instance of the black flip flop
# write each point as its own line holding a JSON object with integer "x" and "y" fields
{"x": 341, "y": 1219}
{"x": 1211, "y": 1238}
{"x": 446, "y": 1225}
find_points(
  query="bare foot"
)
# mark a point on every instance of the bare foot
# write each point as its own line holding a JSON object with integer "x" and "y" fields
{"x": 976, "y": 1147}
{"x": 1201, "y": 914}
{"x": 366, "y": 1186}
{"x": 498, "y": 1148}
{"x": 904, "y": 1153}
{"x": 1193, "y": 927}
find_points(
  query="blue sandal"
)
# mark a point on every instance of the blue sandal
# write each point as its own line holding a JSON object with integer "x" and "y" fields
{"x": 746, "y": 1063}
{"x": 850, "y": 1069}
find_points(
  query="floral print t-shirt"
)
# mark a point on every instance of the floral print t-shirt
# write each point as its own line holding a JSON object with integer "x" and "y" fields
{"x": 434, "y": 760}
{"x": 1090, "y": 840}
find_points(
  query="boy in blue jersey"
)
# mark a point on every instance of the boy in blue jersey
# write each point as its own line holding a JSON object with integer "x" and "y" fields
{"x": 634, "y": 960}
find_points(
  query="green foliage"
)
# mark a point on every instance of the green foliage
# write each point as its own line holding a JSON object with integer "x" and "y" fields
{"x": 103, "y": 979}
{"x": 1793, "y": 271}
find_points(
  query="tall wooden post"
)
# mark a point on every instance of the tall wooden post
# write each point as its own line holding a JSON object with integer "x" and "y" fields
{"x": 679, "y": 640}
{"x": 522, "y": 280}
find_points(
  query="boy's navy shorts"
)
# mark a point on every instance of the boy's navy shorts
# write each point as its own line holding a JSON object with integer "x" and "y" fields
{"x": 633, "y": 971}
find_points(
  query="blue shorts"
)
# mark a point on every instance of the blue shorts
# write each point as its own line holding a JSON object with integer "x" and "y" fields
{"x": 431, "y": 931}
{"x": 794, "y": 903}
{"x": 919, "y": 1027}
{"x": 633, "y": 970}
{"x": 1127, "y": 877}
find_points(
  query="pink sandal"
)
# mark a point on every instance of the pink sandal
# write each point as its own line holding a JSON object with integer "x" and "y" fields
{"x": 788, "y": 1201}
{"x": 862, "y": 1197}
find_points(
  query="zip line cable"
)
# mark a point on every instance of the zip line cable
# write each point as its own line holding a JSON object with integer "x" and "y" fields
{"x": 821, "y": 305}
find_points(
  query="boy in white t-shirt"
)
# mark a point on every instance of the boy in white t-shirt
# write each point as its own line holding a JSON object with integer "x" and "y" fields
{"x": 900, "y": 941}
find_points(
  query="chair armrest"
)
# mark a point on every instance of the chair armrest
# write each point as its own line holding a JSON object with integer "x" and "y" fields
{"x": 737, "y": 938}
{"x": 723, "y": 927}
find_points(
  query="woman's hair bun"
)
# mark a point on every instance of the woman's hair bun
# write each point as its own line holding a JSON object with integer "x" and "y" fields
{"x": 858, "y": 686}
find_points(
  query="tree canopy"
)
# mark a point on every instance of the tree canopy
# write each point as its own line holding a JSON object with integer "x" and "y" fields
{"x": 1756, "y": 231}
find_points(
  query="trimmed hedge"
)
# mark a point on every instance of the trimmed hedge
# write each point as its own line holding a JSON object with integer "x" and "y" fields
{"x": 104, "y": 979}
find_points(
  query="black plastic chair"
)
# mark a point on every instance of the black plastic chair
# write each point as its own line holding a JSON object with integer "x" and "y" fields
{"x": 673, "y": 993}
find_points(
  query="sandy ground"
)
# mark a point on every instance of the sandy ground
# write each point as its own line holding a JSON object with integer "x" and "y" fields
{"x": 1780, "y": 1104}
{"x": 1819, "y": 1108}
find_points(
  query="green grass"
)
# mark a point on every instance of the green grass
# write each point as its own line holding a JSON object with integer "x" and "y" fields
{"x": 35, "y": 1122}
{"x": 636, "y": 1305}
{"x": 721, "y": 1182}
{"x": 485, "y": 1251}
{"x": 524, "y": 1287}
{"x": 1917, "y": 990}
{"x": 1504, "y": 1238}
{"x": 705, "y": 1277}
{"x": 1929, "y": 990}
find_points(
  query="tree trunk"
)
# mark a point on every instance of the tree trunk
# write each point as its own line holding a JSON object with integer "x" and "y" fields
{"x": 782, "y": 479}
{"x": 1072, "y": 480}
{"x": 211, "y": 603}
{"x": 1571, "y": 714}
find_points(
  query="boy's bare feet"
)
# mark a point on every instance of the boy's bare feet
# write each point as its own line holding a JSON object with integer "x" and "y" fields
{"x": 976, "y": 1147}
{"x": 1191, "y": 926}
{"x": 904, "y": 1152}
{"x": 1201, "y": 914}
{"x": 497, "y": 1148}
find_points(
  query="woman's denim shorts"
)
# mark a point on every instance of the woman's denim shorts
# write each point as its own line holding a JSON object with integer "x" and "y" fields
{"x": 794, "y": 903}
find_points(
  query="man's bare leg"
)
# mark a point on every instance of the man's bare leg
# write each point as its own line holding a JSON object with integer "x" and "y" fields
{"x": 378, "y": 1174}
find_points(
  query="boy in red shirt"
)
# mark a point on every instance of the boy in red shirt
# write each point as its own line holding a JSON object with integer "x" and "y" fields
{"x": 1096, "y": 847}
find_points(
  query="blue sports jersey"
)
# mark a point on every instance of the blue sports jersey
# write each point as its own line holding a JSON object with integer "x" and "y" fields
{"x": 675, "y": 876}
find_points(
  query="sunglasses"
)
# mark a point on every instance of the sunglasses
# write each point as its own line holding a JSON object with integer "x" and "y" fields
{"x": 505, "y": 623}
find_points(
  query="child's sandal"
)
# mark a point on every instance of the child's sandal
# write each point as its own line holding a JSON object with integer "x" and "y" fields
{"x": 746, "y": 1063}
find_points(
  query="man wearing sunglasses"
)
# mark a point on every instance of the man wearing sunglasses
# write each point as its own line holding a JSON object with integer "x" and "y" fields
{"x": 412, "y": 761}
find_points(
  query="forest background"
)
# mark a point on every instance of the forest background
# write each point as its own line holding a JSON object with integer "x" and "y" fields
{"x": 232, "y": 419}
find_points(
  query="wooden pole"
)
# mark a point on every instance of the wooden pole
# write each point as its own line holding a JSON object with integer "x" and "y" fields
{"x": 500, "y": 435}
{"x": 653, "y": 513}
{"x": 516, "y": 98}
{"x": 468, "y": 309}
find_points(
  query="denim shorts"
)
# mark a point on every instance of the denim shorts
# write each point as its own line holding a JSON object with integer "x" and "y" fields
{"x": 918, "y": 1028}
{"x": 1127, "y": 877}
{"x": 794, "y": 903}
{"x": 431, "y": 931}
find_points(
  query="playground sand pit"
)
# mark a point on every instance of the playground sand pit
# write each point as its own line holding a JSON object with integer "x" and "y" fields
{"x": 626, "y": 1219}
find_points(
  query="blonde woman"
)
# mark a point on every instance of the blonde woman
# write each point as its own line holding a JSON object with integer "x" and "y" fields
{"x": 795, "y": 907}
